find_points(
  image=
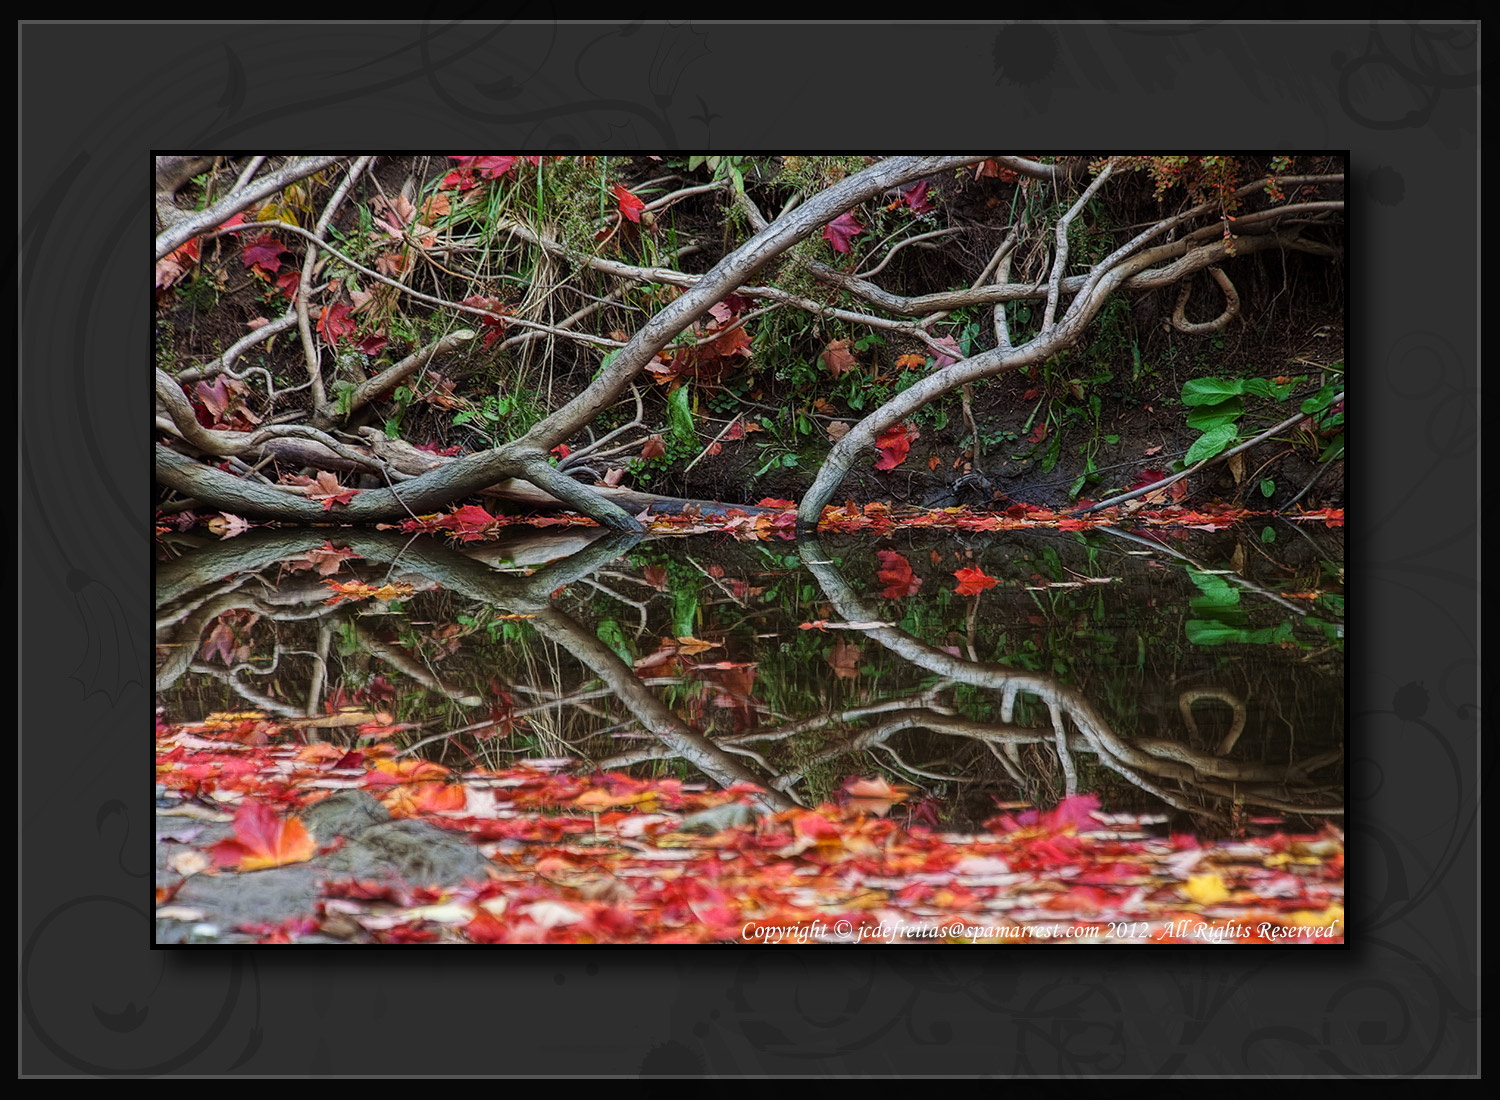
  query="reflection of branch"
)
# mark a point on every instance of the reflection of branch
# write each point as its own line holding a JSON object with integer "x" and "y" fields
{"x": 1234, "y": 578}
{"x": 651, "y": 712}
{"x": 1136, "y": 761}
{"x": 403, "y": 662}
{"x": 531, "y": 595}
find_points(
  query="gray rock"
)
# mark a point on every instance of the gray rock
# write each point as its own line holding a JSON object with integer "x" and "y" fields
{"x": 345, "y": 814}
{"x": 415, "y": 852}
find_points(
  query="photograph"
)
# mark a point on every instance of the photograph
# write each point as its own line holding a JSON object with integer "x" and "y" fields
{"x": 843, "y": 549}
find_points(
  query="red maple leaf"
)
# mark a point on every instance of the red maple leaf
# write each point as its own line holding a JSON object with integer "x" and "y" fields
{"x": 374, "y": 344}
{"x": 463, "y": 178}
{"x": 895, "y": 573}
{"x": 261, "y": 839}
{"x": 916, "y": 198}
{"x": 893, "y": 446}
{"x": 324, "y": 487}
{"x": 494, "y": 325}
{"x": 630, "y": 206}
{"x": 263, "y": 255}
{"x": 335, "y": 324}
{"x": 841, "y": 231}
{"x": 1146, "y": 477}
{"x": 971, "y": 582}
{"x": 943, "y": 360}
{"x": 174, "y": 265}
{"x": 491, "y": 167}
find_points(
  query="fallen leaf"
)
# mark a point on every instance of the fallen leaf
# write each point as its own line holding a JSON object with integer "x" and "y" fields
{"x": 837, "y": 358}
{"x": 335, "y": 323}
{"x": 263, "y": 255}
{"x": 630, "y": 206}
{"x": 893, "y": 446}
{"x": 915, "y": 197}
{"x": 261, "y": 839}
{"x": 841, "y": 231}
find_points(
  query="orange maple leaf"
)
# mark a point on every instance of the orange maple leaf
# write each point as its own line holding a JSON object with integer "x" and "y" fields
{"x": 261, "y": 839}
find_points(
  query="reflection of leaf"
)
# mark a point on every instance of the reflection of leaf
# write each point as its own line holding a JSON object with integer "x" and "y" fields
{"x": 895, "y": 573}
{"x": 971, "y": 582}
{"x": 844, "y": 660}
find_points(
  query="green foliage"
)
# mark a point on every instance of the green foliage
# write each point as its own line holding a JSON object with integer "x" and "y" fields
{"x": 1217, "y": 405}
{"x": 503, "y": 416}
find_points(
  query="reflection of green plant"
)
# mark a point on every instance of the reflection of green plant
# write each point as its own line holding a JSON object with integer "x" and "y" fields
{"x": 1224, "y": 620}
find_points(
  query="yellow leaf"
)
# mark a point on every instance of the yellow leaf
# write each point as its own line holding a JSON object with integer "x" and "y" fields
{"x": 1206, "y": 889}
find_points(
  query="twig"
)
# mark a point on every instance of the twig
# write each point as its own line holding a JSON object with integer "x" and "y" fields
{"x": 1054, "y": 285}
{"x": 224, "y": 209}
{"x": 309, "y": 262}
{"x": 1323, "y": 469}
{"x": 721, "y": 435}
{"x": 1245, "y": 446}
{"x": 248, "y": 174}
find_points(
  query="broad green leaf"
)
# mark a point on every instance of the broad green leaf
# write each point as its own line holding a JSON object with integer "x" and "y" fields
{"x": 681, "y": 415}
{"x": 1211, "y": 443}
{"x": 1213, "y": 416}
{"x": 1322, "y": 399}
{"x": 1210, "y": 391}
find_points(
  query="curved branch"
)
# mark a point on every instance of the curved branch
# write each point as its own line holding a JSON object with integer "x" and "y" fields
{"x": 1231, "y": 306}
{"x": 184, "y": 231}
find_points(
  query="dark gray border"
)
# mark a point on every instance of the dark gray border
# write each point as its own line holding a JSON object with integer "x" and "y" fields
{"x": 96, "y": 100}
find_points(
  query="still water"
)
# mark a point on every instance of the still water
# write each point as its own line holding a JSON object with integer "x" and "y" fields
{"x": 1194, "y": 674}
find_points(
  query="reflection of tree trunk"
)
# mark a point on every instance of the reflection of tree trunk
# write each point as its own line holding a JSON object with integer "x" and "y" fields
{"x": 1135, "y": 760}
{"x": 650, "y": 711}
{"x": 404, "y": 662}
{"x": 458, "y": 572}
